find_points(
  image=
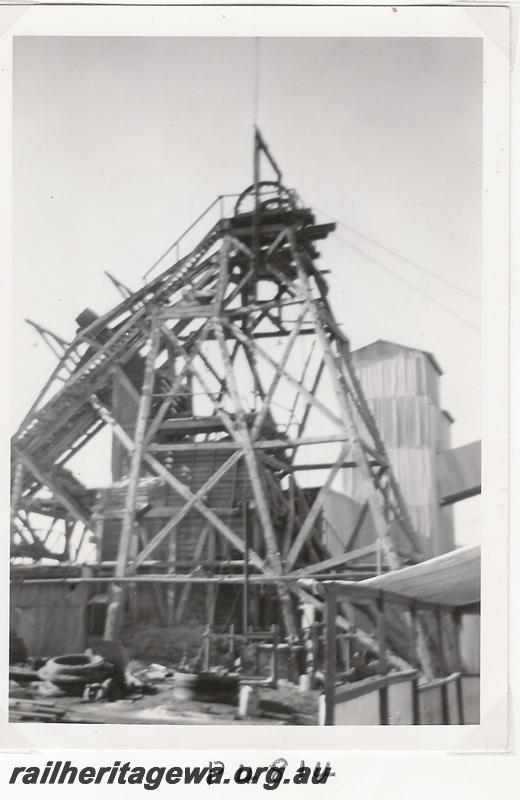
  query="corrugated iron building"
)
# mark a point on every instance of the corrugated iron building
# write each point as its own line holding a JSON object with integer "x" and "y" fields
{"x": 402, "y": 387}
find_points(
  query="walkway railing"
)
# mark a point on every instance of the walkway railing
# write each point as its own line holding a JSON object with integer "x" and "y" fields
{"x": 219, "y": 204}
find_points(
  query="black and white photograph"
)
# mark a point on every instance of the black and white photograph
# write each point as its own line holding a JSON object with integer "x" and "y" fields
{"x": 246, "y": 410}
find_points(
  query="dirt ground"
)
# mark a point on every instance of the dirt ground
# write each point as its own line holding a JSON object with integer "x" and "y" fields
{"x": 281, "y": 706}
{"x": 284, "y": 705}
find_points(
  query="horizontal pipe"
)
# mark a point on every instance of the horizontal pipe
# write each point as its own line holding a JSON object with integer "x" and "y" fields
{"x": 354, "y": 591}
{"x": 260, "y": 335}
{"x": 111, "y": 564}
{"x": 173, "y": 578}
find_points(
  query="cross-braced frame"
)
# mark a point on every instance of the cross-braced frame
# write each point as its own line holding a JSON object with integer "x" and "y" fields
{"x": 237, "y": 354}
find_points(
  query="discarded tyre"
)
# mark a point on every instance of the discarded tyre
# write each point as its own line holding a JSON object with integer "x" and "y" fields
{"x": 72, "y": 673}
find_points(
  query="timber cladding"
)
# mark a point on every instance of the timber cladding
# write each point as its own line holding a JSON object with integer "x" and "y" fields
{"x": 193, "y": 468}
{"x": 191, "y": 543}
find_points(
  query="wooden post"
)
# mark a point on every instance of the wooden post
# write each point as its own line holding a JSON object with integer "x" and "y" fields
{"x": 444, "y": 671}
{"x": 330, "y": 653}
{"x": 114, "y": 620}
{"x": 257, "y": 655}
{"x": 315, "y": 649}
{"x": 416, "y": 702}
{"x": 460, "y": 699}
{"x": 457, "y": 628}
{"x": 274, "y": 662}
{"x": 445, "y": 705}
{"x": 381, "y": 634}
{"x": 413, "y": 635}
{"x": 291, "y": 672}
{"x": 383, "y": 664}
{"x": 99, "y": 525}
{"x": 211, "y": 589}
{"x": 440, "y": 635}
{"x": 456, "y": 617}
{"x": 206, "y": 649}
{"x": 170, "y": 589}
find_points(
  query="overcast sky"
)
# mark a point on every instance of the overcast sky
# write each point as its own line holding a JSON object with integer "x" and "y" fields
{"x": 120, "y": 143}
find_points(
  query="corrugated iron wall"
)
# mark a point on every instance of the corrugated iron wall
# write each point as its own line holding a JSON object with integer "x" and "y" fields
{"x": 402, "y": 388}
{"x": 51, "y": 618}
{"x": 55, "y": 618}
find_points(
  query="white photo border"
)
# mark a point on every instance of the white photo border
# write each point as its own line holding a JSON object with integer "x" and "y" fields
{"x": 492, "y": 25}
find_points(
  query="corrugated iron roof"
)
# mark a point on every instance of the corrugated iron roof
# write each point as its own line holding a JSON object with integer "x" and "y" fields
{"x": 451, "y": 579}
{"x": 427, "y": 353}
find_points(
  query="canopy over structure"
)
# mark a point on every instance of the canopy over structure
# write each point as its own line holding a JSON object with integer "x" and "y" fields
{"x": 451, "y": 579}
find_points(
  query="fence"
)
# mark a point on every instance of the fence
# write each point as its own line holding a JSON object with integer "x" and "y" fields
{"x": 394, "y": 697}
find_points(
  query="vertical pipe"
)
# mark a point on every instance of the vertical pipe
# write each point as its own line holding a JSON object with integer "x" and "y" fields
{"x": 246, "y": 294}
{"x": 256, "y": 213}
{"x": 330, "y": 656}
{"x": 245, "y": 593}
